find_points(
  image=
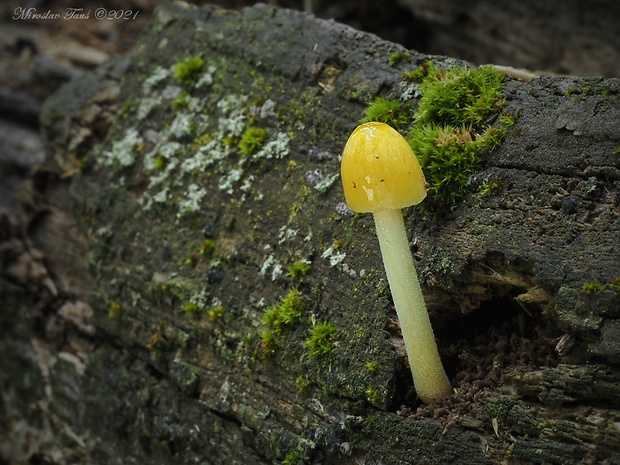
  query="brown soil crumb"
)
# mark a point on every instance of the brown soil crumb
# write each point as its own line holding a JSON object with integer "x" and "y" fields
{"x": 491, "y": 342}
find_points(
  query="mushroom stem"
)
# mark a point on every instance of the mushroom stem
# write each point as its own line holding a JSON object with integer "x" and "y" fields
{"x": 429, "y": 377}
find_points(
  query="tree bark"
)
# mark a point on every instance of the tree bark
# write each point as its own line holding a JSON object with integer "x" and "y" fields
{"x": 147, "y": 297}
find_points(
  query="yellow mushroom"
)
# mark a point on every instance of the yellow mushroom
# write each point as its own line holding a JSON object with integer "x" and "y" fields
{"x": 381, "y": 175}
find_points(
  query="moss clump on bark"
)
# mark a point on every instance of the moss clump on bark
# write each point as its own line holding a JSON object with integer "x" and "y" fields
{"x": 448, "y": 132}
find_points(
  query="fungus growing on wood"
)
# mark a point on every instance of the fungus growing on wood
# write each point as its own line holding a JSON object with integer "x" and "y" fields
{"x": 381, "y": 175}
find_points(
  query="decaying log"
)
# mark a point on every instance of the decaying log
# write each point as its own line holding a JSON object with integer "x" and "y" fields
{"x": 133, "y": 306}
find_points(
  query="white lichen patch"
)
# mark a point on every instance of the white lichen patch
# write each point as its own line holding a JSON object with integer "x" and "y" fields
{"x": 205, "y": 156}
{"x": 334, "y": 257}
{"x": 192, "y": 145}
{"x": 207, "y": 77}
{"x": 199, "y": 299}
{"x": 350, "y": 271}
{"x": 324, "y": 184}
{"x": 266, "y": 110}
{"x": 408, "y": 91}
{"x": 227, "y": 181}
{"x": 160, "y": 74}
{"x": 343, "y": 210}
{"x": 270, "y": 260}
{"x": 277, "y": 148}
{"x": 271, "y": 268}
{"x": 195, "y": 105}
{"x": 161, "y": 196}
{"x": 234, "y": 121}
{"x": 123, "y": 152}
{"x": 181, "y": 126}
{"x": 191, "y": 201}
{"x": 286, "y": 234}
{"x": 146, "y": 106}
{"x": 276, "y": 272}
{"x": 169, "y": 154}
{"x": 168, "y": 151}
{"x": 171, "y": 92}
{"x": 247, "y": 183}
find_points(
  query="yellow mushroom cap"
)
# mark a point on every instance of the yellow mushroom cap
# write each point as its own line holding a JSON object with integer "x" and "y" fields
{"x": 379, "y": 170}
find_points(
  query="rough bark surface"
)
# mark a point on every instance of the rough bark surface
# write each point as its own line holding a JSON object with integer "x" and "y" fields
{"x": 158, "y": 259}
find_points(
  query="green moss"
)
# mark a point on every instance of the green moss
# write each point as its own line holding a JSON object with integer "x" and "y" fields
{"x": 299, "y": 269}
{"x": 269, "y": 341}
{"x": 507, "y": 119}
{"x": 591, "y": 287}
{"x": 302, "y": 383}
{"x": 215, "y": 313}
{"x": 200, "y": 141}
{"x": 191, "y": 259}
{"x": 321, "y": 340}
{"x": 410, "y": 75}
{"x": 230, "y": 141}
{"x": 398, "y": 58}
{"x": 449, "y": 156}
{"x": 571, "y": 91}
{"x": 373, "y": 396}
{"x": 460, "y": 96}
{"x": 420, "y": 72}
{"x": 181, "y": 100}
{"x": 159, "y": 162}
{"x": 292, "y": 458}
{"x": 252, "y": 140}
{"x": 386, "y": 111}
{"x": 587, "y": 91}
{"x": 207, "y": 247}
{"x": 191, "y": 307}
{"x": 450, "y": 135}
{"x": 372, "y": 366}
{"x": 278, "y": 319}
{"x": 158, "y": 342}
{"x": 114, "y": 311}
{"x": 288, "y": 312}
{"x": 598, "y": 90}
{"x": 57, "y": 115}
{"x": 187, "y": 72}
{"x": 617, "y": 151}
{"x": 493, "y": 186}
